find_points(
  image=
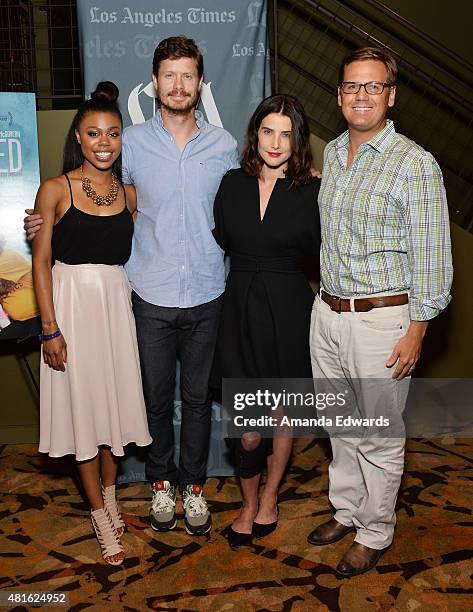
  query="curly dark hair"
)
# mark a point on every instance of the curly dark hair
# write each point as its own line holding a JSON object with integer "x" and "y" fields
{"x": 300, "y": 162}
{"x": 176, "y": 47}
{"x": 103, "y": 100}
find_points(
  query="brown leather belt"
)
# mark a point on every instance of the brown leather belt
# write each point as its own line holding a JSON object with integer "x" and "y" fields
{"x": 338, "y": 304}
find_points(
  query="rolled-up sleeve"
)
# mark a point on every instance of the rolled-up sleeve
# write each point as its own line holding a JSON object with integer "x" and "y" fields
{"x": 126, "y": 161}
{"x": 233, "y": 159}
{"x": 428, "y": 239}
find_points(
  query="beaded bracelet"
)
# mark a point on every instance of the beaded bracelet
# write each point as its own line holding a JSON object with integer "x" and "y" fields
{"x": 44, "y": 337}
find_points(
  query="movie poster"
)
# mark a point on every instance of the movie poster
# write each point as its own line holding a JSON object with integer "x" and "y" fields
{"x": 19, "y": 181}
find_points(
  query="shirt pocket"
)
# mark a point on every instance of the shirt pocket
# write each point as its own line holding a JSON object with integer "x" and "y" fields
{"x": 209, "y": 174}
{"x": 377, "y": 221}
{"x": 382, "y": 214}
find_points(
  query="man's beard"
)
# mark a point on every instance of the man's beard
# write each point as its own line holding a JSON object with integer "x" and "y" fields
{"x": 183, "y": 108}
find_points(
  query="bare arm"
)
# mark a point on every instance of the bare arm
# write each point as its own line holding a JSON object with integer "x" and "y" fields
{"x": 47, "y": 201}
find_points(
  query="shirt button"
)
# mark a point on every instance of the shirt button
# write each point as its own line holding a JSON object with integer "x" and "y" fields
{"x": 182, "y": 267}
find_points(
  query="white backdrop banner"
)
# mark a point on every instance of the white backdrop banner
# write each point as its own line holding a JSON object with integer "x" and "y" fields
{"x": 118, "y": 39}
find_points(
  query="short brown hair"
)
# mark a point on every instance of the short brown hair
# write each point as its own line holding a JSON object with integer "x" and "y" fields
{"x": 300, "y": 162}
{"x": 176, "y": 47}
{"x": 371, "y": 53}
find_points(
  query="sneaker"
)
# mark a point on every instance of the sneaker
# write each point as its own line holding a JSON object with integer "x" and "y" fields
{"x": 197, "y": 516}
{"x": 162, "y": 513}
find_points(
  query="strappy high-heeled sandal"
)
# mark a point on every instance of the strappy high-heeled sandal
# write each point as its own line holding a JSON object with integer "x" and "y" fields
{"x": 110, "y": 502}
{"x": 106, "y": 535}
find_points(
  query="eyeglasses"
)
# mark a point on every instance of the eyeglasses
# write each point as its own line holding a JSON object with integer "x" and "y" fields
{"x": 374, "y": 88}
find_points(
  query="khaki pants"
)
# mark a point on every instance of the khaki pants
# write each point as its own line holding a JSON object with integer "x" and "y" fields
{"x": 365, "y": 473}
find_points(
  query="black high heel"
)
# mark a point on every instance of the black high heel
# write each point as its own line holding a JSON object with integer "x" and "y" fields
{"x": 261, "y": 530}
{"x": 236, "y": 539}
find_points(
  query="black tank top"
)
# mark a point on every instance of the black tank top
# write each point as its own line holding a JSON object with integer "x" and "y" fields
{"x": 79, "y": 237}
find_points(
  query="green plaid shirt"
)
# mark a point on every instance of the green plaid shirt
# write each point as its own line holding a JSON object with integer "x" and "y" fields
{"x": 385, "y": 226}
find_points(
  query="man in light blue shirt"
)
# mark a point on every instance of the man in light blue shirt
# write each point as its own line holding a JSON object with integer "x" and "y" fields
{"x": 175, "y": 261}
{"x": 176, "y": 161}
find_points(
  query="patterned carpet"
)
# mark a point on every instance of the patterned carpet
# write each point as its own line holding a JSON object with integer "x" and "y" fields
{"x": 46, "y": 542}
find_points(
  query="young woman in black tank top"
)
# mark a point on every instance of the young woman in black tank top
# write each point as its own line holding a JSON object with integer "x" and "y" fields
{"x": 91, "y": 396}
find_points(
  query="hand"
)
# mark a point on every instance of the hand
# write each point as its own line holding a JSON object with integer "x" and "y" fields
{"x": 32, "y": 223}
{"x": 55, "y": 353}
{"x": 316, "y": 173}
{"x": 407, "y": 350}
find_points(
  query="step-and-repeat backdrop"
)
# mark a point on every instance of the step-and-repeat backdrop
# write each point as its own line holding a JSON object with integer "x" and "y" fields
{"x": 118, "y": 40}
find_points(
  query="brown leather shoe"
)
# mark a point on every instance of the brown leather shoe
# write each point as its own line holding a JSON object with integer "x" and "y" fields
{"x": 359, "y": 559}
{"x": 328, "y": 533}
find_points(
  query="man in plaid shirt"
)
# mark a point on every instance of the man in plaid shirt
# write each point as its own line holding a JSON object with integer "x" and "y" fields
{"x": 386, "y": 270}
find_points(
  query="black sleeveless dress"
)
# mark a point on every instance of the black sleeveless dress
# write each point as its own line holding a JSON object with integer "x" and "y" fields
{"x": 265, "y": 321}
{"x": 98, "y": 400}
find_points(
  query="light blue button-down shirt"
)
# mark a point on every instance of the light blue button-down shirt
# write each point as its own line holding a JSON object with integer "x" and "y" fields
{"x": 175, "y": 260}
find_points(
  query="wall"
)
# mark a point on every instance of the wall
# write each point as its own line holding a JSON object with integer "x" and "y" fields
{"x": 317, "y": 146}
{"x": 447, "y": 345}
{"x": 448, "y": 22}
{"x": 19, "y": 400}
{"x": 52, "y": 130}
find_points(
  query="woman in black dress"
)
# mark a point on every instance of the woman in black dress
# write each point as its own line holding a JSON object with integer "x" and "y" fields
{"x": 266, "y": 219}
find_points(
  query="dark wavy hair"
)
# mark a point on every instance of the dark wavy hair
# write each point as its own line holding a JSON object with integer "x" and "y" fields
{"x": 176, "y": 47}
{"x": 102, "y": 100}
{"x": 300, "y": 162}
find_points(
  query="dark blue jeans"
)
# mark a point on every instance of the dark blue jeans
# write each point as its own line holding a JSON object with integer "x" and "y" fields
{"x": 163, "y": 335}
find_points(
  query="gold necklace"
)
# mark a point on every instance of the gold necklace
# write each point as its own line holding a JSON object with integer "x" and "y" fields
{"x": 90, "y": 192}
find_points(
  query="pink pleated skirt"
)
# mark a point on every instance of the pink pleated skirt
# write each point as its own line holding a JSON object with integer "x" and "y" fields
{"x": 98, "y": 400}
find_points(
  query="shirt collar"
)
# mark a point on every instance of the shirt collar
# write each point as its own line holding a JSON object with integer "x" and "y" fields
{"x": 380, "y": 141}
{"x": 158, "y": 120}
